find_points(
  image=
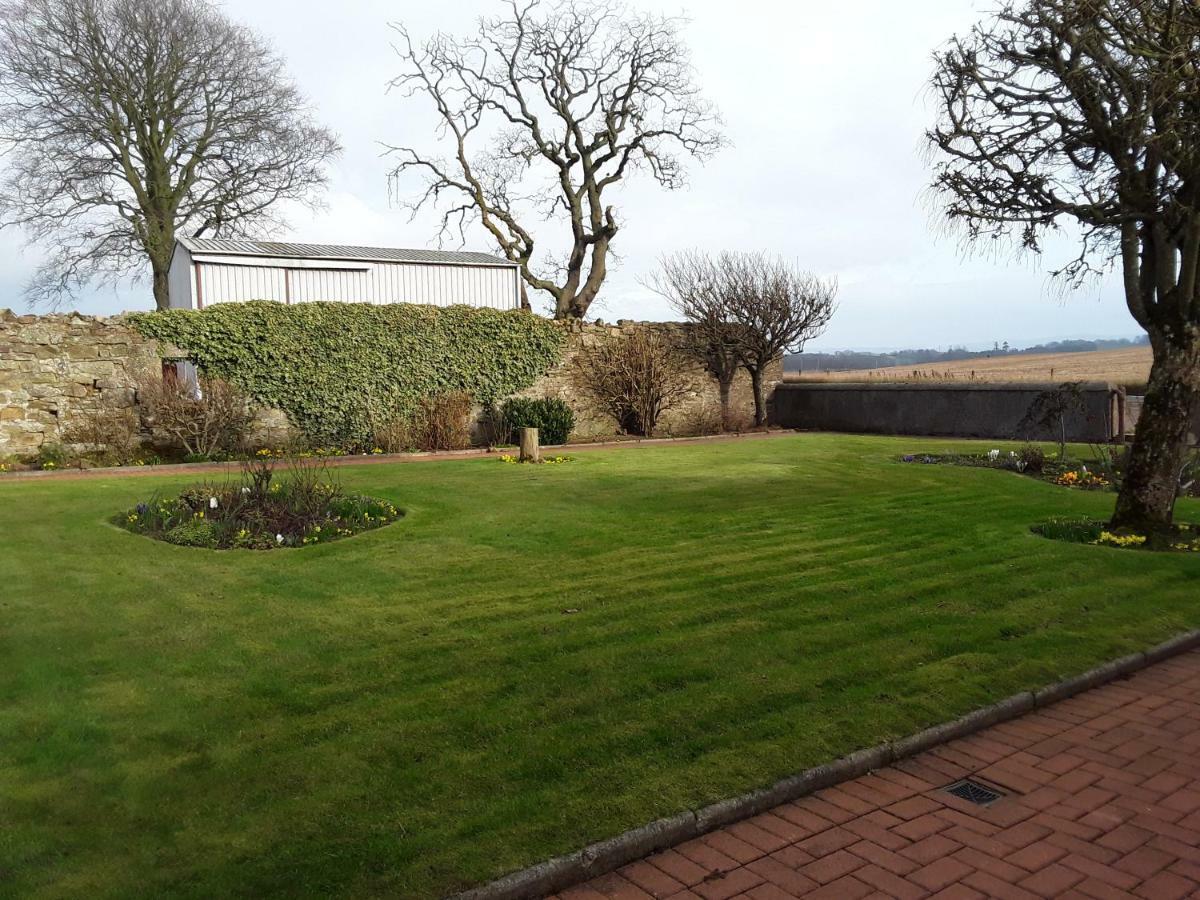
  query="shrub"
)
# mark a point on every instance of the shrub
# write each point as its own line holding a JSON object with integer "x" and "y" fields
{"x": 553, "y": 418}
{"x": 110, "y": 430}
{"x": 634, "y": 378}
{"x": 1031, "y": 459}
{"x": 439, "y": 422}
{"x": 201, "y": 419}
{"x": 52, "y": 455}
{"x": 341, "y": 370}
{"x": 261, "y": 512}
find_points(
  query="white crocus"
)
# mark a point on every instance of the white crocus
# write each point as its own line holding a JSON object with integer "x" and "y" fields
{"x": 212, "y": 502}
{"x": 279, "y": 538}
{"x": 994, "y": 455}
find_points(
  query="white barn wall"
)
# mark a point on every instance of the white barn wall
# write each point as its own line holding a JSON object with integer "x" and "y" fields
{"x": 235, "y": 284}
{"x": 380, "y": 283}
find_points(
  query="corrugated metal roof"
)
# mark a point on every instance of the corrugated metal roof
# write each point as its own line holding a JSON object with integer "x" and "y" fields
{"x": 238, "y": 247}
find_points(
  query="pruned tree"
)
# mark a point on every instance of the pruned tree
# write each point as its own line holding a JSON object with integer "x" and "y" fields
{"x": 775, "y": 308}
{"x": 545, "y": 109}
{"x": 691, "y": 282}
{"x": 126, "y": 122}
{"x": 1087, "y": 113}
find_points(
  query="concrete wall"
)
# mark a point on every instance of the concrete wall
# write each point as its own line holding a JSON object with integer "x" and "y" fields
{"x": 951, "y": 410}
{"x": 1133, "y": 412}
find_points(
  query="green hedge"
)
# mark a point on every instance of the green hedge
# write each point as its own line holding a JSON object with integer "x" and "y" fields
{"x": 339, "y": 370}
{"x": 553, "y": 419}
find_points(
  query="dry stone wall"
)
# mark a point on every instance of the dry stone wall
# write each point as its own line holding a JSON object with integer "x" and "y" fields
{"x": 54, "y": 368}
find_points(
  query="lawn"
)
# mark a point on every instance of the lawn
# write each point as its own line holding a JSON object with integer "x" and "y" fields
{"x": 534, "y": 658}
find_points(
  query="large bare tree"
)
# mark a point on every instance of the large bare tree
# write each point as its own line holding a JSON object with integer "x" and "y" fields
{"x": 128, "y": 121}
{"x": 1087, "y": 113}
{"x": 544, "y": 110}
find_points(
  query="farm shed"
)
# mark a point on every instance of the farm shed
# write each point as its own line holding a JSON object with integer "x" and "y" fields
{"x": 205, "y": 271}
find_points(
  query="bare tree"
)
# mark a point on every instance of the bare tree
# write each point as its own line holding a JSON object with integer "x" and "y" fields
{"x": 691, "y": 282}
{"x": 1087, "y": 112}
{"x": 776, "y": 308}
{"x": 129, "y": 121}
{"x": 544, "y": 109}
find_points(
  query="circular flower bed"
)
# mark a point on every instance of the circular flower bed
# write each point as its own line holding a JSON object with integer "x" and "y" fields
{"x": 261, "y": 512}
{"x": 1180, "y": 539}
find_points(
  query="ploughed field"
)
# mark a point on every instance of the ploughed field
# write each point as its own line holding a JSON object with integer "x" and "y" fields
{"x": 1128, "y": 366}
{"x": 533, "y": 658}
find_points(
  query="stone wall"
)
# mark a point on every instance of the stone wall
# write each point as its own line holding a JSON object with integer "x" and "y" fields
{"x": 53, "y": 367}
{"x": 698, "y": 412}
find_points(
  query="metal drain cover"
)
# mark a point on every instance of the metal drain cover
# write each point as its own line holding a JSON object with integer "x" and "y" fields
{"x": 974, "y": 792}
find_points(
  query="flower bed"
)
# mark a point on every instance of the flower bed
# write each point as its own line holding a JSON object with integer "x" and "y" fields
{"x": 512, "y": 459}
{"x": 1180, "y": 539}
{"x": 1101, "y": 474}
{"x": 261, "y": 511}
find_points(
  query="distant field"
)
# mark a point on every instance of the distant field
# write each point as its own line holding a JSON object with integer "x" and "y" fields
{"x": 1126, "y": 366}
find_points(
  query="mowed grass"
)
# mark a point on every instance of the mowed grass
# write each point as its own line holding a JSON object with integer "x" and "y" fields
{"x": 535, "y": 658}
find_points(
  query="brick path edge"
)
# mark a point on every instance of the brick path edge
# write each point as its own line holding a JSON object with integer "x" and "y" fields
{"x": 608, "y": 855}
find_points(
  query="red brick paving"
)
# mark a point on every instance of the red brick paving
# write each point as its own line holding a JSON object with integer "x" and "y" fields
{"x": 1103, "y": 800}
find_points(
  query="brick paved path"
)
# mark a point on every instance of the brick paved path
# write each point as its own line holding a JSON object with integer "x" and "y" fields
{"x": 1103, "y": 801}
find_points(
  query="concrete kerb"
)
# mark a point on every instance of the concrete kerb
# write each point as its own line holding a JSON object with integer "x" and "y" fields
{"x": 606, "y": 856}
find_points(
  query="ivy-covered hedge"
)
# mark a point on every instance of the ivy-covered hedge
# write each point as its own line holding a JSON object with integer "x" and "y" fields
{"x": 339, "y": 370}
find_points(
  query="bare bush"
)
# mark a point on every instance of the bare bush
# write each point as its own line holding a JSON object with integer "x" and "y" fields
{"x": 201, "y": 419}
{"x": 438, "y": 422}
{"x": 634, "y": 378}
{"x": 110, "y": 429}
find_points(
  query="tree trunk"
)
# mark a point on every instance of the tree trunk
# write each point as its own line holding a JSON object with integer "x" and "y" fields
{"x": 724, "y": 386}
{"x": 1147, "y": 499}
{"x": 162, "y": 294}
{"x": 760, "y": 397}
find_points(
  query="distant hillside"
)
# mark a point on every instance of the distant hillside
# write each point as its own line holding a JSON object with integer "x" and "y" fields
{"x": 855, "y": 360}
{"x": 1127, "y": 366}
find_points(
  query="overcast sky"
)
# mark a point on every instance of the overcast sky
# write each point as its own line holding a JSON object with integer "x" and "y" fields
{"x": 824, "y": 104}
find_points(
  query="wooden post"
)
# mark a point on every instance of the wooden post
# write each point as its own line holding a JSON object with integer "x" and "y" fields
{"x": 530, "y": 451}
